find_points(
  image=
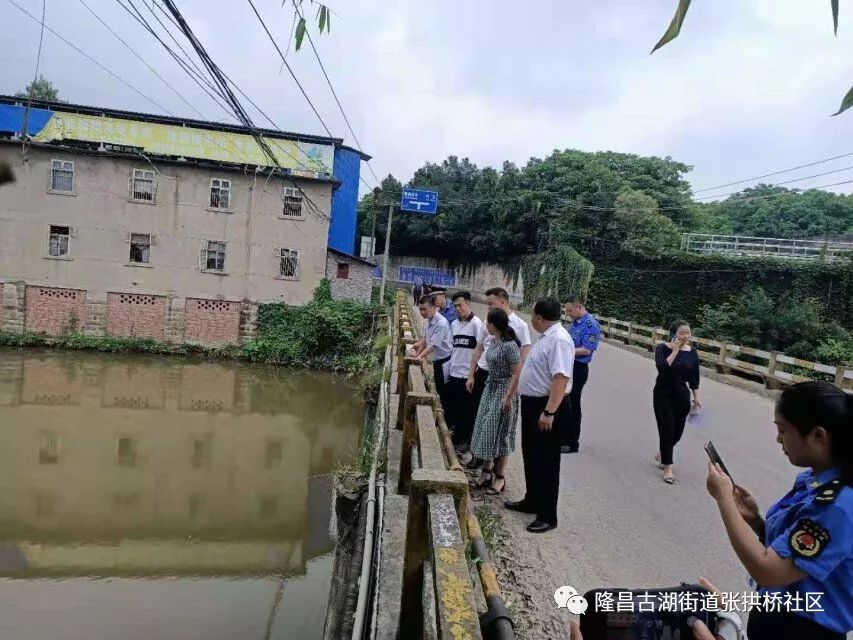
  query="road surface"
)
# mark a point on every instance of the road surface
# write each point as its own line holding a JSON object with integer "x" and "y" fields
{"x": 620, "y": 525}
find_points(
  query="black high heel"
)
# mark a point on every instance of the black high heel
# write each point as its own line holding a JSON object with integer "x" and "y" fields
{"x": 496, "y": 492}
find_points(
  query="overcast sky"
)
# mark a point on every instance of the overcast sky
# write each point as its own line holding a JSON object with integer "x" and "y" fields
{"x": 746, "y": 89}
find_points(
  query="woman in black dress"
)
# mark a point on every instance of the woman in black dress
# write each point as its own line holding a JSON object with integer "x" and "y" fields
{"x": 678, "y": 374}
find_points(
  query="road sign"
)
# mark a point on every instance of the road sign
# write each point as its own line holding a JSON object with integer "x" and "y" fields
{"x": 419, "y": 201}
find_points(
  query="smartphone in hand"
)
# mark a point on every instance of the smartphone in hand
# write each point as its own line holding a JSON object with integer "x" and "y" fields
{"x": 711, "y": 450}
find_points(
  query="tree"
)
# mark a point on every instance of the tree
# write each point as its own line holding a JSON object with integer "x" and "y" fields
{"x": 42, "y": 89}
{"x": 643, "y": 230}
{"x": 678, "y": 21}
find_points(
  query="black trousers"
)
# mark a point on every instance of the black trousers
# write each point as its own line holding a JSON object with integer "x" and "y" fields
{"x": 572, "y": 434}
{"x": 784, "y": 625}
{"x": 461, "y": 410}
{"x": 541, "y": 453}
{"x": 672, "y": 405}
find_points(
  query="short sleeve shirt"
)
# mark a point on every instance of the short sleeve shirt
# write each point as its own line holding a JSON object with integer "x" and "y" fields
{"x": 553, "y": 353}
{"x": 585, "y": 333}
{"x": 438, "y": 336}
{"x": 813, "y": 524}
{"x": 465, "y": 334}
{"x": 522, "y": 332}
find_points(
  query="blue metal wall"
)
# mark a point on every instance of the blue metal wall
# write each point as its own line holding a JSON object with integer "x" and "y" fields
{"x": 345, "y": 201}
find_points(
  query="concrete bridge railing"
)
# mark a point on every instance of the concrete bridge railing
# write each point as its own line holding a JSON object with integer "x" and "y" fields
{"x": 439, "y": 595}
{"x": 775, "y": 369}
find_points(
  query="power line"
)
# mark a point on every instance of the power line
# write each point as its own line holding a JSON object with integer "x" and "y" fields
{"x": 92, "y": 60}
{"x": 775, "y": 173}
{"x": 779, "y": 184}
{"x": 289, "y": 69}
{"x": 334, "y": 93}
{"x": 142, "y": 60}
{"x": 26, "y": 118}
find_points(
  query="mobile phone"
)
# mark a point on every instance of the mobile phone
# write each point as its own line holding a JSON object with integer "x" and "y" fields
{"x": 644, "y": 614}
{"x": 711, "y": 450}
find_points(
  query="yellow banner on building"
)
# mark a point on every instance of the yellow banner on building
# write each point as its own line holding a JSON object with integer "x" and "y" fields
{"x": 188, "y": 142}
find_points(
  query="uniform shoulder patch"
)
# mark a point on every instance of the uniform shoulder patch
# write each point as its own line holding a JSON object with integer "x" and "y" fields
{"x": 808, "y": 539}
{"x": 827, "y": 493}
{"x": 591, "y": 337}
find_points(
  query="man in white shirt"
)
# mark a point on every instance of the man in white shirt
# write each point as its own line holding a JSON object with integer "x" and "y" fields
{"x": 460, "y": 404}
{"x": 544, "y": 386}
{"x": 436, "y": 344}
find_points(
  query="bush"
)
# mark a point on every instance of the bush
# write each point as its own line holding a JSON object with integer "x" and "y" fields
{"x": 796, "y": 326}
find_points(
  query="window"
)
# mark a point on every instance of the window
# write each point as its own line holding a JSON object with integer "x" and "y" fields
{"x": 343, "y": 271}
{"x": 48, "y": 448}
{"x": 62, "y": 176}
{"x": 274, "y": 455}
{"x": 126, "y": 452}
{"x": 220, "y": 194}
{"x": 292, "y": 203}
{"x": 214, "y": 256}
{"x": 143, "y": 186}
{"x": 140, "y": 247}
{"x": 58, "y": 244}
{"x": 288, "y": 263}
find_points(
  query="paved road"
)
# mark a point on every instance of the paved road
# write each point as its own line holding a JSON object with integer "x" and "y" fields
{"x": 620, "y": 524}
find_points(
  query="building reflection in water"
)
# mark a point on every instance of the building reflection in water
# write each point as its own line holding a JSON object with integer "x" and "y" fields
{"x": 130, "y": 466}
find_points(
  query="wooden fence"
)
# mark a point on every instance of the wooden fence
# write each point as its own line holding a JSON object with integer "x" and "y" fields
{"x": 775, "y": 369}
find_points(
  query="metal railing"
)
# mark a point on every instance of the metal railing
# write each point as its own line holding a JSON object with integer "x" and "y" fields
{"x": 438, "y": 598}
{"x": 775, "y": 369}
{"x": 790, "y": 249}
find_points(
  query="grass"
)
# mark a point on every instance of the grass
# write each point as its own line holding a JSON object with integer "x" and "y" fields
{"x": 490, "y": 523}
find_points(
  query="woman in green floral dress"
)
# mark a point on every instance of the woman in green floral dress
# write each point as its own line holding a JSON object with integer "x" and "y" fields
{"x": 494, "y": 429}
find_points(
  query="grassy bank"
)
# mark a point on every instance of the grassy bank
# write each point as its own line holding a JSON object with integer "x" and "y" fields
{"x": 322, "y": 334}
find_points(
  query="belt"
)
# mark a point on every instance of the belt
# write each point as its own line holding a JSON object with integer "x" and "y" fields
{"x": 447, "y": 359}
{"x": 523, "y": 397}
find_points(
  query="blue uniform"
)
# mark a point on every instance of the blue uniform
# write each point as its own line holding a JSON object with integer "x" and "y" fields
{"x": 813, "y": 524}
{"x": 449, "y": 313}
{"x": 585, "y": 333}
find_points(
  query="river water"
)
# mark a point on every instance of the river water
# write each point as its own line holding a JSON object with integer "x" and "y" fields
{"x": 159, "y": 498}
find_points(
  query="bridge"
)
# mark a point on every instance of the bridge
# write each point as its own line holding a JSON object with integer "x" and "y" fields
{"x": 784, "y": 248}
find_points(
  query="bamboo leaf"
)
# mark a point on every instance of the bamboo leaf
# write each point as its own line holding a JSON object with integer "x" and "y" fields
{"x": 323, "y": 12}
{"x": 835, "y": 15}
{"x": 328, "y": 21}
{"x": 300, "y": 33}
{"x": 846, "y": 103}
{"x": 675, "y": 25}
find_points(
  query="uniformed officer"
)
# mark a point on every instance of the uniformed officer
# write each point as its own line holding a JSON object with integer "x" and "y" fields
{"x": 460, "y": 404}
{"x": 806, "y": 544}
{"x": 586, "y": 335}
{"x": 436, "y": 344}
{"x": 544, "y": 386}
{"x": 446, "y": 309}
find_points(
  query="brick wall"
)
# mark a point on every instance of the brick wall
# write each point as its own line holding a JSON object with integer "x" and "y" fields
{"x": 135, "y": 315}
{"x": 55, "y": 311}
{"x": 213, "y": 322}
{"x": 357, "y": 287}
{"x": 2, "y": 305}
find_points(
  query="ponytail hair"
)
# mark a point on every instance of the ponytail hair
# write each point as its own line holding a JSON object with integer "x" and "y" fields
{"x": 813, "y": 404}
{"x": 500, "y": 320}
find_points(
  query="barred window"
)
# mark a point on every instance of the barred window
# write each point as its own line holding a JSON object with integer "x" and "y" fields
{"x": 62, "y": 176}
{"x": 220, "y": 193}
{"x": 289, "y": 263}
{"x": 292, "y": 199}
{"x": 215, "y": 256}
{"x": 140, "y": 247}
{"x": 143, "y": 186}
{"x": 58, "y": 243}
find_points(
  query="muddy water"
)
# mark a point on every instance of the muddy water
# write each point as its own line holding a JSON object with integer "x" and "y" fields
{"x": 153, "y": 498}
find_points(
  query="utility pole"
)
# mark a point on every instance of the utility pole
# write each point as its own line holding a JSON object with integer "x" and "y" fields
{"x": 385, "y": 260}
{"x": 376, "y": 193}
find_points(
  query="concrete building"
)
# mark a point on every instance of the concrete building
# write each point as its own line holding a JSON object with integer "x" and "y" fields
{"x": 131, "y": 224}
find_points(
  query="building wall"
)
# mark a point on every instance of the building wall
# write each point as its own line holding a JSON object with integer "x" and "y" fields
{"x": 103, "y": 216}
{"x": 358, "y": 287}
{"x": 55, "y": 311}
{"x": 212, "y": 321}
{"x": 347, "y": 169}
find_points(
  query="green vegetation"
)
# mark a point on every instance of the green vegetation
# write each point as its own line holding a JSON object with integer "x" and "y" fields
{"x": 41, "y": 89}
{"x": 322, "y": 334}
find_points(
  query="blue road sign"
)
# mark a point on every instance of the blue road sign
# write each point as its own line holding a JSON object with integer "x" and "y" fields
{"x": 419, "y": 201}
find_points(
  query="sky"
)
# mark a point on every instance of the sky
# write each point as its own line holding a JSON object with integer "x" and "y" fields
{"x": 748, "y": 88}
